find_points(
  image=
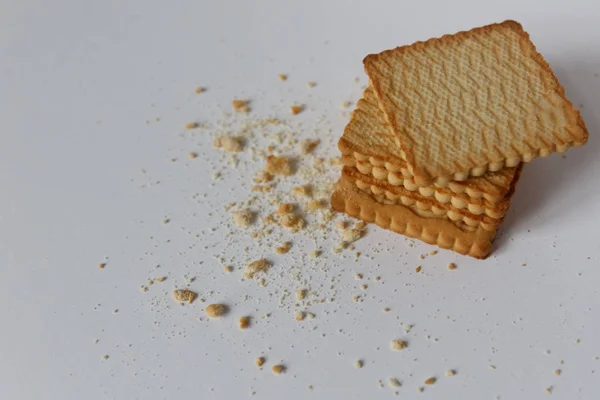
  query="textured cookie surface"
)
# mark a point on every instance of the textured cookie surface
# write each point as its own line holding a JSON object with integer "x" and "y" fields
{"x": 398, "y": 218}
{"x": 480, "y": 210}
{"x": 369, "y": 144}
{"x": 475, "y": 101}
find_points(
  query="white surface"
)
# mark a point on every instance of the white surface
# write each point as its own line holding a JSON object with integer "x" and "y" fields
{"x": 78, "y": 82}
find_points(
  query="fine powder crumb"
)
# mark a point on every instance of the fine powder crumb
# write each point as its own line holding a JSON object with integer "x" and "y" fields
{"x": 359, "y": 364}
{"x": 393, "y": 382}
{"x": 430, "y": 381}
{"x": 215, "y": 310}
{"x": 184, "y": 295}
{"x": 399, "y": 344}
{"x": 243, "y": 218}
{"x": 450, "y": 372}
{"x": 240, "y": 105}
{"x": 192, "y": 125}
{"x": 296, "y": 109}
{"x": 232, "y": 144}
{"x": 278, "y": 166}
{"x": 278, "y": 369}
{"x": 255, "y": 267}
{"x": 451, "y": 266}
{"x": 244, "y": 322}
{"x": 260, "y": 361}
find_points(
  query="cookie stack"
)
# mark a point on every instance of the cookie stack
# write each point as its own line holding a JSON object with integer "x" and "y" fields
{"x": 436, "y": 145}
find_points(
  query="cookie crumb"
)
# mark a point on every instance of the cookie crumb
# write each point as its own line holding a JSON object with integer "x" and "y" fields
{"x": 300, "y": 294}
{"x": 450, "y": 372}
{"x": 160, "y": 279}
{"x": 386, "y": 309}
{"x": 243, "y": 218}
{"x": 282, "y": 77}
{"x": 101, "y": 265}
{"x": 232, "y": 144}
{"x": 105, "y": 357}
{"x": 557, "y": 372}
{"x": 215, "y": 310}
{"x": 255, "y": 267}
{"x": 451, "y": 266}
{"x": 296, "y": 109}
{"x": 314, "y": 254}
{"x": 240, "y": 105}
{"x": 192, "y": 125}
{"x": 358, "y": 364}
{"x": 315, "y": 205}
{"x": 260, "y": 361}
{"x": 228, "y": 268}
{"x": 279, "y": 166}
{"x": 393, "y": 382}
{"x": 184, "y": 295}
{"x": 420, "y": 389}
{"x": 303, "y": 191}
{"x": 199, "y": 90}
{"x": 433, "y": 252}
{"x": 311, "y": 84}
{"x": 399, "y": 344}
{"x": 299, "y": 315}
{"x": 418, "y": 269}
{"x": 191, "y": 156}
{"x": 278, "y": 369}
{"x": 307, "y": 146}
{"x": 284, "y": 248}
{"x": 430, "y": 381}
{"x": 549, "y": 389}
{"x": 358, "y": 276}
{"x": 351, "y": 235}
{"x": 244, "y": 322}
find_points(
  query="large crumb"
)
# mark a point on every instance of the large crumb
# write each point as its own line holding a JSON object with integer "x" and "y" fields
{"x": 399, "y": 344}
{"x": 279, "y": 166}
{"x": 184, "y": 295}
{"x": 243, "y": 218}
{"x": 229, "y": 143}
{"x": 351, "y": 235}
{"x": 255, "y": 267}
{"x": 240, "y": 105}
{"x": 278, "y": 369}
{"x": 215, "y": 310}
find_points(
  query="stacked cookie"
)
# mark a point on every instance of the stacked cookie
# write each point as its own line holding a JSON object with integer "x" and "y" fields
{"x": 436, "y": 145}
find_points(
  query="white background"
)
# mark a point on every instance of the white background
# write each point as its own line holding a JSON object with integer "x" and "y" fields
{"x": 79, "y": 81}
